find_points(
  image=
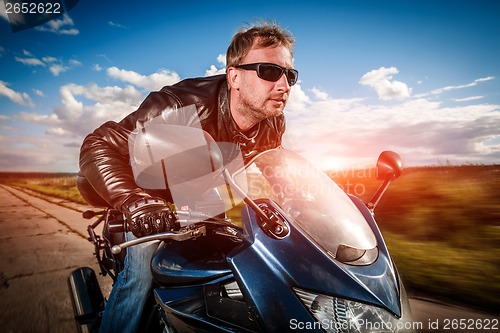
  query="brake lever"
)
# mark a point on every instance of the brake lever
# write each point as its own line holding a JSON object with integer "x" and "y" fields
{"x": 176, "y": 236}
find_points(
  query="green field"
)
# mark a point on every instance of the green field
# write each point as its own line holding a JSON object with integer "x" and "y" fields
{"x": 441, "y": 224}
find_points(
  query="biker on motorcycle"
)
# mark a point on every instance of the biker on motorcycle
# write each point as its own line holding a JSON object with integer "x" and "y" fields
{"x": 244, "y": 106}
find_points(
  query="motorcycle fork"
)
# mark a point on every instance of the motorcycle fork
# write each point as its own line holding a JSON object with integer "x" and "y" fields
{"x": 109, "y": 263}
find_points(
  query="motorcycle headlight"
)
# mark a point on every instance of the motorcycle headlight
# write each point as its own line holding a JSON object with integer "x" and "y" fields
{"x": 339, "y": 315}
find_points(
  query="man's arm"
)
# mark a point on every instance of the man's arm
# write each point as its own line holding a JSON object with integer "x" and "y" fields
{"x": 104, "y": 161}
{"x": 104, "y": 156}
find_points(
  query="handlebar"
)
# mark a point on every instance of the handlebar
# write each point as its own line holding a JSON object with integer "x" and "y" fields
{"x": 177, "y": 236}
{"x": 193, "y": 225}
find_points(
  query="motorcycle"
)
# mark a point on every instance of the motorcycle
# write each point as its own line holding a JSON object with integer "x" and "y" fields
{"x": 272, "y": 245}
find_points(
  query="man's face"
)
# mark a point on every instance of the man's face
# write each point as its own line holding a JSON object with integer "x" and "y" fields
{"x": 258, "y": 98}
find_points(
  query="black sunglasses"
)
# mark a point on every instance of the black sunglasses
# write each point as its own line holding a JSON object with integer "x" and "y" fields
{"x": 272, "y": 72}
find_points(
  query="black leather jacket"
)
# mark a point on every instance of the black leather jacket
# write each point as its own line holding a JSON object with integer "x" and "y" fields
{"x": 104, "y": 156}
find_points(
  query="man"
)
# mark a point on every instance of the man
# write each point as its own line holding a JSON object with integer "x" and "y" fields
{"x": 244, "y": 107}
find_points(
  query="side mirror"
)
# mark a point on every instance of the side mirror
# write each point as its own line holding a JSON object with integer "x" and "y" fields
{"x": 389, "y": 167}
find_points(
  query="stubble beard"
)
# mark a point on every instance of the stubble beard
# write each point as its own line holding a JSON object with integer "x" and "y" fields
{"x": 261, "y": 110}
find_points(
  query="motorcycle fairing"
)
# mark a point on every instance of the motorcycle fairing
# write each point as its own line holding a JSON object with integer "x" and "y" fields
{"x": 184, "y": 307}
{"x": 266, "y": 268}
{"x": 203, "y": 308}
{"x": 191, "y": 262}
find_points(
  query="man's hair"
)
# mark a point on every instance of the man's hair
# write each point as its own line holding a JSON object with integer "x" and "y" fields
{"x": 266, "y": 34}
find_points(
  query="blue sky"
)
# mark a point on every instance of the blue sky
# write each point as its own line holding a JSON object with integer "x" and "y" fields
{"x": 418, "y": 77}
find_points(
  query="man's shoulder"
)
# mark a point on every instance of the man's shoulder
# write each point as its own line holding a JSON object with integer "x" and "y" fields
{"x": 196, "y": 89}
{"x": 207, "y": 80}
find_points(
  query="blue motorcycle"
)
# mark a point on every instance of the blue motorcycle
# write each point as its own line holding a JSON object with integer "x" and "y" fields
{"x": 272, "y": 245}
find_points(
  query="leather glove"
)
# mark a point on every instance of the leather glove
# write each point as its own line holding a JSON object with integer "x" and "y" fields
{"x": 148, "y": 216}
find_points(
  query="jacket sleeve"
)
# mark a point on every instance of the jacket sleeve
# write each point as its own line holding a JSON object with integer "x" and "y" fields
{"x": 104, "y": 157}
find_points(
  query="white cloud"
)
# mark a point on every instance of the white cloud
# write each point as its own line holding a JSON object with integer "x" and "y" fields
{"x": 58, "y": 69}
{"x": 105, "y": 57}
{"x": 221, "y": 58}
{"x": 39, "y": 119}
{"x": 30, "y": 61}
{"x": 75, "y": 63}
{"x": 382, "y": 82}
{"x": 213, "y": 70}
{"x": 49, "y": 59}
{"x": 16, "y": 97}
{"x": 298, "y": 99}
{"x": 56, "y": 66}
{"x": 21, "y": 152}
{"x": 439, "y": 91}
{"x": 38, "y": 92}
{"x": 84, "y": 108}
{"x": 63, "y": 26}
{"x": 109, "y": 102}
{"x": 58, "y": 131}
{"x": 467, "y": 99}
{"x": 116, "y": 25}
{"x": 152, "y": 82}
{"x": 319, "y": 94}
{"x": 450, "y": 88}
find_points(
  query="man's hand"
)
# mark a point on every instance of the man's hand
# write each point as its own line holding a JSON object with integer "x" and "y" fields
{"x": 148, "y": 216}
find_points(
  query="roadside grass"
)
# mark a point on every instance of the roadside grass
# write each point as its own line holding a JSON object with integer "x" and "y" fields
{"x": 61, "y": 186}
{"x": 441, "y": 271}
{"x": 441, "y": 224}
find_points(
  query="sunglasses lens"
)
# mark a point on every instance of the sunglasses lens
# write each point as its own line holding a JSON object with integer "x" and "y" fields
{"x": 269, "y": 72}
{"x": 292, "y": 76}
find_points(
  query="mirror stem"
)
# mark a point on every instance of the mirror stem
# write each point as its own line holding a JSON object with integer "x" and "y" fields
{"x": 380, "y": 192}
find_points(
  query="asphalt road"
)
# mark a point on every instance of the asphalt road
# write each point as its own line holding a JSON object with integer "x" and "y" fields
{"x": 41, "y": 243}
{"x": 42, "y": 240}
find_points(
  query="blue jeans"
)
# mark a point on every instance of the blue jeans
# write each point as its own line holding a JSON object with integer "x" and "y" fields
{"x": 127, "y": 299}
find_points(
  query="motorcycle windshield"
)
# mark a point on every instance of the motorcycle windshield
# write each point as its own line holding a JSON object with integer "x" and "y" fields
{"x": 312, "y": 201}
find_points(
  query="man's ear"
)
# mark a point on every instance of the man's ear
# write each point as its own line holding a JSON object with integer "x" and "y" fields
{"x": 233, "y": 78}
